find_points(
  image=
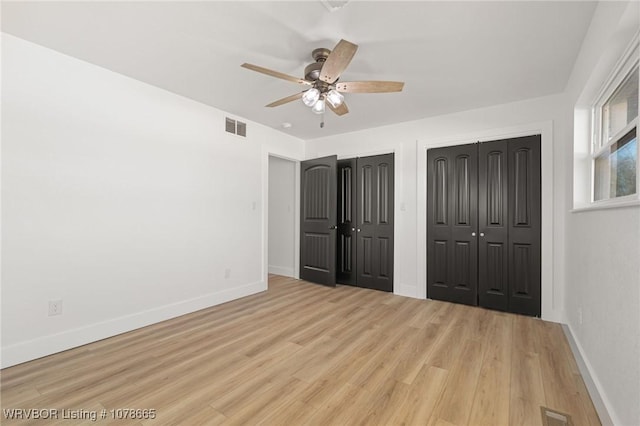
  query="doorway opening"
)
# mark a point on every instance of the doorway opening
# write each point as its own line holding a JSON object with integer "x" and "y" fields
{"x": 282, "y": 217}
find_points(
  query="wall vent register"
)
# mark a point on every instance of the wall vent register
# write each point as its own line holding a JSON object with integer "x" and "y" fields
{"x": 236, "y": 127}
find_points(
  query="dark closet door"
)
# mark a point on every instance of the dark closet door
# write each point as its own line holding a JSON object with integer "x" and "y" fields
{"x": 347, "y": 222}
{"x": 509, "y": 225}
{"x": 524, "y": 225}
{"x": 501, "y": 258}
{"x": 452, "y": 261}
{"x": 318, "y": 220}
{"x": 493, "y": 226}
{"x": 375, "y": 222}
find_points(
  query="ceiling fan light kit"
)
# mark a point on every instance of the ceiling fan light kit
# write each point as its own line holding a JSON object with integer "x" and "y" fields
{"x": 318, "y": 107}
{"x": 323, "y": 75}
{"x": 335, "y": 98}
{"x": 310, "y": 97}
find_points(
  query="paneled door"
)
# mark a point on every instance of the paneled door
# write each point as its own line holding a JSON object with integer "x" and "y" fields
{"x": 493, "y": 253}
{"x": 498, "y": 235}
{"x": 375, "y": 187}
{"x": 347, "y": 225}
{"x": 318, "y": 198}
{"x": 452, "y": 271}
{"x": 509, "y": 225}
{"x": 525, "y": 225}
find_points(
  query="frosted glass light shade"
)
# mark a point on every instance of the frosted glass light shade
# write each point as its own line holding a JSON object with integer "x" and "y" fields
{"x": 318, "y": 108}
{"x": 335, "y": 98}
{"x": 311, "y": 96}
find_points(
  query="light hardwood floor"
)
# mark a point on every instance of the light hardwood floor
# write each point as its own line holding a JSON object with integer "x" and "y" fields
{"x": 302, "y": 353}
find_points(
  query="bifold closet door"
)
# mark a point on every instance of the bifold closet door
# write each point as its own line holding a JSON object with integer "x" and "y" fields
{"x": 493, "y": 252}
{"x": 347, "y": 226}
{"x": 452, "y": 272}
{"x": 525, "y": 225}
{"x": 375, "y": 195}
{"x": 318, "y": 201}
{"x": 484, "y": 224}
{"x": 509, "y": 225}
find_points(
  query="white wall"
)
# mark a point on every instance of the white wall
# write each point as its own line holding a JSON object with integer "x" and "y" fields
{"x": 409, "y": 142}
{"x": 127, "y": 202}
{"x": 603, "y": 246}
{"x": 282, "y": 198}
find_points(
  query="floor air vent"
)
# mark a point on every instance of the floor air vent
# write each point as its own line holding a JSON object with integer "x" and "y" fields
{"x": 555, "y": 418}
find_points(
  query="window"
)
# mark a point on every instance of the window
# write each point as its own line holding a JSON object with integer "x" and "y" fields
{"x": 615, "y": 135}
{"x": 615, "y": 169}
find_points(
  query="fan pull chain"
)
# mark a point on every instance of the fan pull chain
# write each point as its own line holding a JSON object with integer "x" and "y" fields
{"x": 322, "y": 121}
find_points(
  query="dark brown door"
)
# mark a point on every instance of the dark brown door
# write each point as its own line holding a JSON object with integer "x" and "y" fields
{"x": 452, "y": 259}
{"x": 509, "y": 225}
{"x": 318, "y": 220}
{"x": 375, "y": 180}
{"x": 346, "y": 256}
{"x": 504, "y": 248}
{"x": 493, "y": 246}
{"x": 524, "y": 225}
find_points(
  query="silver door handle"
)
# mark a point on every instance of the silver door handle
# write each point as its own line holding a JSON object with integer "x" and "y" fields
{"x": 333, "y": 227}
{"x": 473, "y": 234}
{"x": 353, "y": 229}
{"x": 358, "y": 229}
{"x": 482, "y": 234}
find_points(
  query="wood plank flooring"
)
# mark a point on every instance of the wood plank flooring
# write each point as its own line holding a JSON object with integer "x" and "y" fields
{"x": 304, "y": 354}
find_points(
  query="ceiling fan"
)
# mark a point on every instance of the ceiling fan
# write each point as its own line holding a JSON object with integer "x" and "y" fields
{"x": 322, "y": 77}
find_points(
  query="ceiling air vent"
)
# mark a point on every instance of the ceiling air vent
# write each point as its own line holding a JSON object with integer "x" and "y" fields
{"x": 236, "y": 127}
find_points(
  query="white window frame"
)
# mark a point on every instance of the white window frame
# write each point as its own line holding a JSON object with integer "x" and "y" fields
{"x": 629, "y": 61}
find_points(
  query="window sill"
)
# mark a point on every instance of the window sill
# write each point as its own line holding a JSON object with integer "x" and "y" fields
{"x": 606, "y": 205}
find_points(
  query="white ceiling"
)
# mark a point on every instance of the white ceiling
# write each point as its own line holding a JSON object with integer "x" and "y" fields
{"x": 453, "y": 56}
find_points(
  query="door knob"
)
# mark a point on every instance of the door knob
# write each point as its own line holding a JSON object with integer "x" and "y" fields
{"x": 473, "y": 234}
{"x": 482, "y": 234}
{"x": 358, "y": 229}
{"x": 353, "y": 229}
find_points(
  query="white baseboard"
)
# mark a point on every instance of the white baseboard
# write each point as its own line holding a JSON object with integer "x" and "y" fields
{"x": 281, "y": 270}
{"x": 47, "y": 345}
{"x": 405, "y": 290}
{"x": 597, "y": 394}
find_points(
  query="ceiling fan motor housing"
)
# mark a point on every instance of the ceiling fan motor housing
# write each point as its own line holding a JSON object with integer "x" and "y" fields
{"x": 312, "y": 71}
{"x": 320, "y": 54}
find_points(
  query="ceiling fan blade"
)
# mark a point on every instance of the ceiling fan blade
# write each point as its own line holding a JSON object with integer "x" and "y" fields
{"x": 341, "y": 110}
{"x": 276, "y": 74}
{"x": 285, "y": 100}
{"x": 337, "y": 61}
{"x": 370, "y": 86}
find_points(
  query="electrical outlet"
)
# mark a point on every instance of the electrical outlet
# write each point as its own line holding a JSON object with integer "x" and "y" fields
{"x": 227, "y": 274}
{"x": 55, "y": 307}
